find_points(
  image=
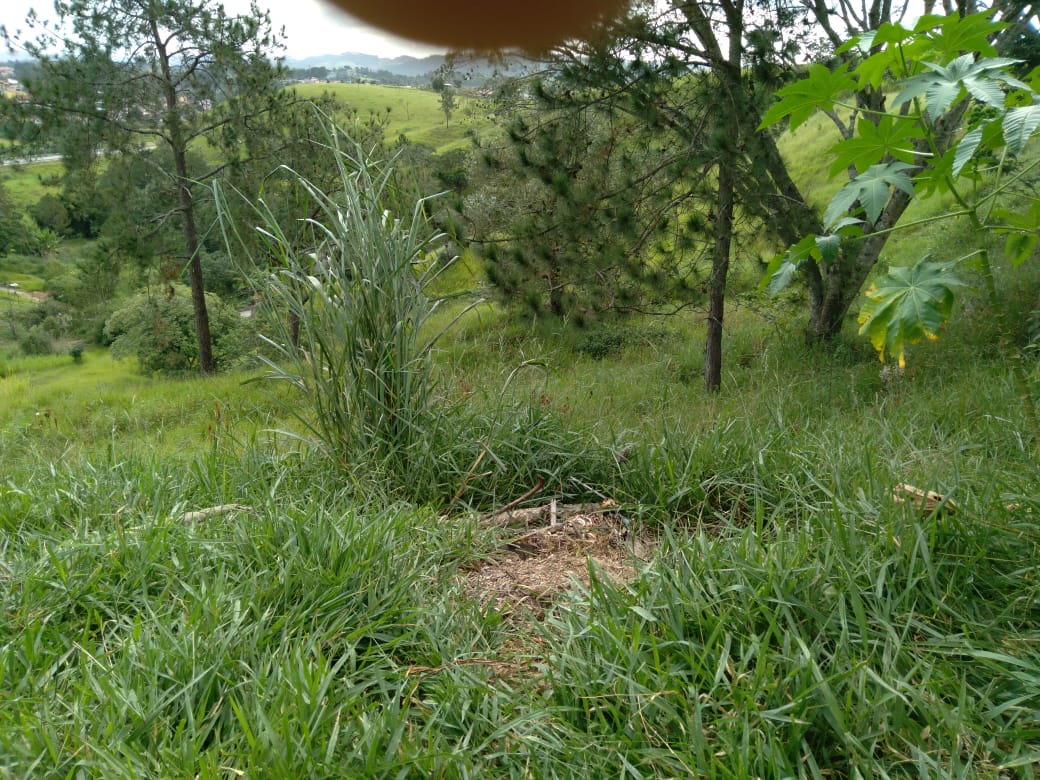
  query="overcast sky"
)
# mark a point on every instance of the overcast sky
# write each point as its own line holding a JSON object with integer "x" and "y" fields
{"x": 311, "y": 27}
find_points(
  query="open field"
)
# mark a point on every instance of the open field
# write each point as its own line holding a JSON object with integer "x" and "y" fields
{"x": 25, "y": 183}
{"x": 415, "y": 113}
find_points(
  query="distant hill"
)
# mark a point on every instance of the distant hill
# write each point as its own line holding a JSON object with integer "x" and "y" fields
{"x": 411, "y": 67}
{"x": 402, "y": 66}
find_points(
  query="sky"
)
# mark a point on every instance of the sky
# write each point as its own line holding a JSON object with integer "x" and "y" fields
{"x": 311, "y": 27}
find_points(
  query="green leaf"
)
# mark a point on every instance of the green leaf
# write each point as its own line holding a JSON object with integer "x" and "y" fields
{"x": 644, "y": 613}
{"x": 935, "y": 177}
{"x": 890, "y": 136}
{"x": 969, "y": 33}
{"x": 845, "y": 222}
{"x": 966, "y": 149}
{"x": 1019, "y": 125}
{"x": 990, "y": 136}
{"x": 782, "y": 269}
{"x": 944, "y": 85}
{"x": 929, "y": 21}
{"x": 828, "y": 247}
{"x": 1019, "y": 247}
{"x": 862, "y": 42}
{"x": 817, "y": 91}
{"x": 884, "y": 35}
{"x": 870, "y": 189}
{"x": 907, "y": 305}
{"x": 781, "y": 278}
{"x": 1023, "y": 229}
{"x": 893, "y": 48}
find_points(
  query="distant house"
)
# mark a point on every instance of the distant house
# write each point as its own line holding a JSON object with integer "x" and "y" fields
{"x": 11, "y": 87}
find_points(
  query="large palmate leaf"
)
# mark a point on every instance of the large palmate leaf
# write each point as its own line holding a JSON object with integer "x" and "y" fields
{"x": 1019, "y": 125}
{"x": 870, "y": 189}
{"x": 987, "y": 135}
{"x": 817, "y": 91}
{"x": 944, "y": 84}
{"x": 782, "y": 268}
{"x": 890, "y": 136}
{"x": 908, "y": 304}
{"x": 974, "y": 32}
{"x": 868, "y": 40}
{"x": 884, "y": 48}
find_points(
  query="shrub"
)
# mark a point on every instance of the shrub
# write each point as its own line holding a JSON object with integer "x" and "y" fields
{"x": 159, "y": 330}
{"x": 36, "y": 341}
{"x": 600, "y": 344}
{"x": 353, "y": 304}
{"x": 51, "y": 214}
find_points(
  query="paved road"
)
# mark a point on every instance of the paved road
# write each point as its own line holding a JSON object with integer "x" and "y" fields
{"x": 13, "y": 293}
{"x": 31, "y": 160}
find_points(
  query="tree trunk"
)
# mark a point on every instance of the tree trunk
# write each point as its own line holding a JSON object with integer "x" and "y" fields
{"x": 187, "y": 207}
{"x": 191, "y": 245}
{"x": 834, "y": 288}
{"x": 732, "y": 108}
{"x": 719, "y": 272}
{"x": 556, "y": 302}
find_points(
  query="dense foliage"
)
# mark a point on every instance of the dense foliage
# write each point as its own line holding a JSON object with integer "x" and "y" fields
{"x": 158, "y": 328}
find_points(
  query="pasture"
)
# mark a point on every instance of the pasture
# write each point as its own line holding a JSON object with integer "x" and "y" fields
{"x": 414, "y": 113}
{"x": 756, "y": 601}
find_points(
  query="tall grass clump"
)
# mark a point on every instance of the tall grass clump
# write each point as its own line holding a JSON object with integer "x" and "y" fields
{"x": 348, "y": 291}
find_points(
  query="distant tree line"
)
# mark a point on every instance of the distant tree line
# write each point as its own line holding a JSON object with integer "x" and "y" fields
{"x": 351, "y": 73}
{"x": 631, "y": 174}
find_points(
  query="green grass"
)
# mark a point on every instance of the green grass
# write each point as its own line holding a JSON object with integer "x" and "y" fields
{"x": 414, "y": 113}
{"x": 55, "y": 407}
{"x": 25, "y": 183}
{"x": 794, "y": 621}
{"x": 25, "y": 282}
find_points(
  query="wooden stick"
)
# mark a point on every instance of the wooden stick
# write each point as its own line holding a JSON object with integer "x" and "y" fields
{"x": 211, "y": 511}
{"x": 539, "y": 484}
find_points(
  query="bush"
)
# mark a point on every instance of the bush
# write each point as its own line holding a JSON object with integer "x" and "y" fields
{"x": 51, "y": 214}
{"x": 222, "y": 275}
{"x": 600, "y": 344}
{"x": 36, "y": 341}
{"x": 159, "y": 330}
{"x": 353, "y": 307}
{"x": 54, "y": 317}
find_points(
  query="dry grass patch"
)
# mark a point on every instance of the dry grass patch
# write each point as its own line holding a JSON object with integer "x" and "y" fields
{"x": 549, "y": 552}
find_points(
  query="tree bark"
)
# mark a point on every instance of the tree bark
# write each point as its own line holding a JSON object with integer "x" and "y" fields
{"x": 717, "y": 281}
{"x": 191, "y": 245}
{"x": 178, "y": 147}
{"x": 732, "y": 106}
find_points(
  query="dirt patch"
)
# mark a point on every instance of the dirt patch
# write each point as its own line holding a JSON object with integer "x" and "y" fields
{"x": 548, "y": 549}
{"x": 546, "y": 552}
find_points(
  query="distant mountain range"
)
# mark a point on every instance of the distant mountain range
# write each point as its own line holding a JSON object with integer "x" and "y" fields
{"x": 402, "y": 66}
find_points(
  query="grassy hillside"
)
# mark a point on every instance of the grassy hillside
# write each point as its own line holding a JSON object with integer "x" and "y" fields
{"x": 415, "y": 113}
{"x": 735, "y": 585}
{"x": 25, "y": 183}
{"x": 759, "y": 606}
